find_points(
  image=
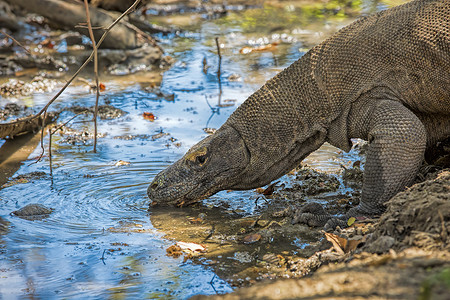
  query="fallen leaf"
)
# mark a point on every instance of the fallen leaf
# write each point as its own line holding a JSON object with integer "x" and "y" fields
{"x": 195, "y": 220}
{"x": 191, "y": 247}
{"x": 48, "y": 43}
{"x": 245, "y": 50}
{"x": 149, "y": 116}
{"x": 209, "y": 130}
{"x": 174, "y": 251}
{"x": 270, "y": 189}
{"x": 262, "y": 48}
{"x": 342, "y": 245}
{"x": 259, "y": 190}
{"x": 26, "y": 72}
{"x": 338, "y": 242}
{"x": 351, "y": 221}
{"x": 119, "y": 244}
{"x": 122, "y": 163}
{"x": 251, "y": 238}
{"x": 225, "y": 105}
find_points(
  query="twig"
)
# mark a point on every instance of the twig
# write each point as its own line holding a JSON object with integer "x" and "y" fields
{"x": 51, "y": 133}
{"x": 50, "y": 150}
{"x": 213, "y": 229}
{"x": 103, "y": 257}
{"x": 15, "y": 41}
{"x": 82, "y": 25}
{"x": 42, "y": 139}
{"x": 102, "y": 38}
{"x": 218, "y": 48}
{"x": 61, "y": 126}
{"x": 219, "y": 69}
{"x": 97, "y": 94}
{"x": 144, "y": 35}
{"x": 212, "y": 283}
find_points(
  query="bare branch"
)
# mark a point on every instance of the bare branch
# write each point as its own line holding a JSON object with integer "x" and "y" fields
{"x": 15, "y": 41}
{"x": 50, "y": 150}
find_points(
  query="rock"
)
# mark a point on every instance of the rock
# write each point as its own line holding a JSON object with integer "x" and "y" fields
{"x": 33, "y": 211}
{"x": 380, "y": 245}
{"x": 122, "y": 62}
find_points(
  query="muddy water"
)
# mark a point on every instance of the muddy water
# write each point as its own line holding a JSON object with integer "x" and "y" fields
{"x": 101, "y": 241}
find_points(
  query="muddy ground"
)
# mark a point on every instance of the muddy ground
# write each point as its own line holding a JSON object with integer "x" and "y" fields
{"x": 406, "y": 255}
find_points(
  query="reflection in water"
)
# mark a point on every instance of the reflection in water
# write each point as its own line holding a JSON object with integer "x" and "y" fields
{"x": 99, "y": 241}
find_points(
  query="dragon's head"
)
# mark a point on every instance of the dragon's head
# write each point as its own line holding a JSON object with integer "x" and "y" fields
{"x": 216, "y": 163}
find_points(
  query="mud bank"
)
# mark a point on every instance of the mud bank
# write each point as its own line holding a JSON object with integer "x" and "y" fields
{"x": 406, "y": 255}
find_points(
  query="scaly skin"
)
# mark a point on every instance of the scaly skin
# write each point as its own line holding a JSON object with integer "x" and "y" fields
{"x": 385, "y": 78}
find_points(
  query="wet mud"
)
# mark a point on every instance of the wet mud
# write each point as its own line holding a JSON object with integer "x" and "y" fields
{"x": 406, "y": 252}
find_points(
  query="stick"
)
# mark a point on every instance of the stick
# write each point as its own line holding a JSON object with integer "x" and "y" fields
{"x": 50, "y": 150}
{"x": 97, "y": 94}
{"x": 15, "y": 41}
{"x": 219, "y": 69}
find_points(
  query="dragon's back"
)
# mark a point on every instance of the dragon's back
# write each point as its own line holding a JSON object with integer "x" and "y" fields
{"x": 404, "y": 50}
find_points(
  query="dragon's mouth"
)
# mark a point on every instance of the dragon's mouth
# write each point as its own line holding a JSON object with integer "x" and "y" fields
{"x": 186, "y": 201}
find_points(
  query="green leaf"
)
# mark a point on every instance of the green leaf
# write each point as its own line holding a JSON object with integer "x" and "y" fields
{"x": 351, "y": 221}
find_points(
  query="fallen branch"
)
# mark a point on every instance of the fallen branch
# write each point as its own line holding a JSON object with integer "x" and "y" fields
{"x": 25, "y": 125}
{"x": 69, "y": 13}
{"x": 15, "y": 41}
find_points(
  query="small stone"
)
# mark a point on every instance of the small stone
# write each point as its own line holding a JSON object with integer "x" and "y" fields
{"x": 33, "y": 211}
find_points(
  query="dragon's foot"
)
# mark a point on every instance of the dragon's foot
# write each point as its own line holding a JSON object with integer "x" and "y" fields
{"x": 333, "y": 223}
{"x": 362, "y": 212}
{"x": 311, "y": 214}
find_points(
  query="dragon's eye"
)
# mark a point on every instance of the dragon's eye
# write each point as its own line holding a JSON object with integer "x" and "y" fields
{"x": 201, "y": 159}
{"x": 198, "y": 157}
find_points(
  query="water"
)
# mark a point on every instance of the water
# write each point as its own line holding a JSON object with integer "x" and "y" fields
{"x": 101, "y": 241}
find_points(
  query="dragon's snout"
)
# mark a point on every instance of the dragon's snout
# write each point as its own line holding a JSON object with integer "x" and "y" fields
{"x": 155, "y": 186}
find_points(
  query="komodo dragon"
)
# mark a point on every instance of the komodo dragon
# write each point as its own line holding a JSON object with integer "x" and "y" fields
{"x": 384, "y": 78}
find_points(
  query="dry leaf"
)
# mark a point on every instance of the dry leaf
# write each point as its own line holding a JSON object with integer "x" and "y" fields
{"x": 342, "y": 245}
{"x": 262, "y": 48}
{"x": 102, "y": 87}
{"x": 209, "y": 130}
{"x": 195, "y": 220}
{"x": 122, "y": 163}
{"x": 251, "y": 238}
{"x": 48, "y": 43}
{"x": 191, "y": 247}
{"x": 225, "y": 105}
{"x": 174, "y": 251}
{"x": 259, "y": 190}
{"x": 26, "y": 72}
{"x": 149, "y": 116}
{"x": 270, "y": 189}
